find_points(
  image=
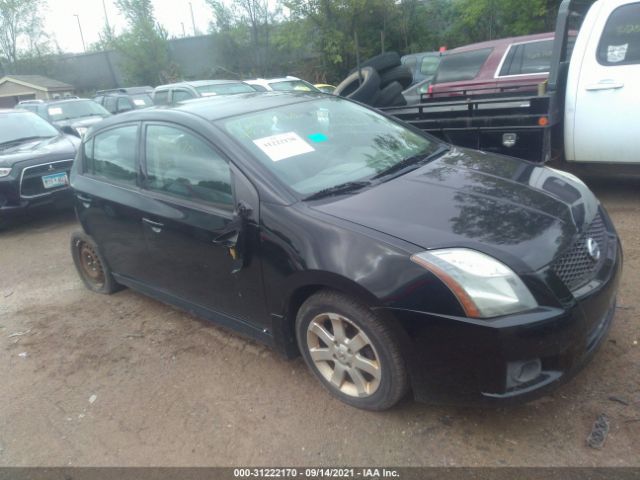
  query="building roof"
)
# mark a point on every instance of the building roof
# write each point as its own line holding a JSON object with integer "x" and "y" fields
{"x": 37, "y": 81}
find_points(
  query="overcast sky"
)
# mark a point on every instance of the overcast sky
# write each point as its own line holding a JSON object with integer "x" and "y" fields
{"x": 60, "y": 20}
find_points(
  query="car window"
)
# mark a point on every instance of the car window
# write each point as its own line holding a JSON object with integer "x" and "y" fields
{"x": 180, "y": 95}
{"x": 410, "y": 63}
{"x": 161, "y": 97}
{"x": 620, "y": 41}
{"x": 528, "y": 58}
{"x": 293, "y": 85}
{"x": 182, "y": 165}
{"x": 142, "y": 100}
{"x": 124, "y": 103}
{"x": 455, "y": 67}
{"x": 75, "y": 109}
{"x": 315, "y": 145}
{"x": 224, "y": 89}
{"x": 99, "y": 99}
{"x": 110, "y": 104}
{"x": 112, "y": 155}
{"x": 429, "y": 65}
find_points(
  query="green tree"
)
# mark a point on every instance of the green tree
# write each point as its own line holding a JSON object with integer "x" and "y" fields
{"x": 20, "y": 23}
{"x": 144, "y": 45}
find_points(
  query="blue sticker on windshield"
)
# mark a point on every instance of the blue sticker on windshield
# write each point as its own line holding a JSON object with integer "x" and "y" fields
{"x": 317, "y": 137}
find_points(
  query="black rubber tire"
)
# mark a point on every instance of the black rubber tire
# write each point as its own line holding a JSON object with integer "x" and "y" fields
{"x": 400, "y": 101}
{"x": 382, "y": 62}
{"x": 383, "y": 333}
{"x": 362, "y": 93}
{"x": 400, "y": 74}
{"x": 389, "y": 94}
{"x": 108, "y": 285}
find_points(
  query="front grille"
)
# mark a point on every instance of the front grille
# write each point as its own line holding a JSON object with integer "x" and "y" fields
{"x": 31, "y": 182}
{"x": 576, "y": 267}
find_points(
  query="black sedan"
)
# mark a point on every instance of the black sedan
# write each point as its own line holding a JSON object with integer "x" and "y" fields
{"x": 71, "y": 115}
{"x": 390, "y": 260}
{"x": 35, "y": 160}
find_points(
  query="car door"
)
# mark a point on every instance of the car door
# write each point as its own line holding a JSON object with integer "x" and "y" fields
{"x": 605, "y": 121}
{"x": 108, "y": 198}
{"x": 198, "y": 250}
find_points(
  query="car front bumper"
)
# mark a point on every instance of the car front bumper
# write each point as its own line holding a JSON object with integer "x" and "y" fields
{"x": 472, "y": 362}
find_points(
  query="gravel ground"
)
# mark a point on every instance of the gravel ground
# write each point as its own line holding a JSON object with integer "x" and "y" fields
{"x": 124, "y": 380}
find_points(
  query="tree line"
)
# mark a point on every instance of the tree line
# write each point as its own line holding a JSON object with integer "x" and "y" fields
{"x": 314, "y": 39}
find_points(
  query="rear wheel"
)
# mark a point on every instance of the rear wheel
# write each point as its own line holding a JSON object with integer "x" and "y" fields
{"x": 92, "y": 268}
{"x": 352, "y": 351}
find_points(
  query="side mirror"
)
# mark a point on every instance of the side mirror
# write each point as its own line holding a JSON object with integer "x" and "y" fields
{"x": 69, "y": 130}
{"x": 233, "y": 236}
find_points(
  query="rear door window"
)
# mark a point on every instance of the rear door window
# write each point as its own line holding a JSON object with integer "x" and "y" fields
{"x": 528, "y": 58}
{"x": 112, "y": 155}
{"x": 620, "y": 41}
{"x": 456, "y": 67}
{"x": 180, "y": 95}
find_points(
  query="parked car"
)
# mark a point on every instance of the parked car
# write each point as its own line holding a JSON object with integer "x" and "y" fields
{"x": 35, "y": 159}
{"x": 282, "y": 84}
{"x": 72, "y": 115}
{"x": 586, "y": 111}
{"x": 389, "y": 259}
{"x": 325, "y": 87}
{"x": 518, "y": 63}
{"x": 119, "y": 100}
{"x": 177, "y": 92}
{"x": 423, "y": 65}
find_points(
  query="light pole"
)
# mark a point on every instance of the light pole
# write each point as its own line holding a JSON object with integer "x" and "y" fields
{"x": 84, "y": 47}
{"x": 193, "y": 22}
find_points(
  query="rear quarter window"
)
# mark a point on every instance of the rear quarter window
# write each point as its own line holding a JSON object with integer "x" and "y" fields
{"x": 528, "y": 58}
{"x": 620, "y": 41}
{"x": 456, "y": 67}
{"x": 161, "y": 97}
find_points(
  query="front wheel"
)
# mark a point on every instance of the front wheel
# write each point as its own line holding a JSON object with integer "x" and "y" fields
{"x": 352, "y": 351}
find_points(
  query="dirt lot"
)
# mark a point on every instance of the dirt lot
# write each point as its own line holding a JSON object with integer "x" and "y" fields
{"x": 125, "y": 380}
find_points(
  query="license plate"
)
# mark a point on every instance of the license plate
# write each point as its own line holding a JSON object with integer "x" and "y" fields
{"x": 55, "y": 180}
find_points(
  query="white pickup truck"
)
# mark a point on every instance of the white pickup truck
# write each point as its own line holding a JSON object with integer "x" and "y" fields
{"x": 587, "y": 112}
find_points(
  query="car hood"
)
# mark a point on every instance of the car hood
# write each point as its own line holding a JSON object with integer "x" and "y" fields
{"x": 62, "y": 147}
{"x": 518, "y": 212}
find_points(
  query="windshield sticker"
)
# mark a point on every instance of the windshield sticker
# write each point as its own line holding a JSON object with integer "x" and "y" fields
{"x": 317, "y": 137}
{"x": 55, "y": 111}
{"x": 617, "y": 53}
{"x": 139, "y": 102}
{"x": 284, "y": 145}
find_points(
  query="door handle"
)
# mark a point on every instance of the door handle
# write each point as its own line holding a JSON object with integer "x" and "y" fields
{"x": 604, "y": 85}
{"x": 86, "y": 201}
{"x": 155, "y": 226}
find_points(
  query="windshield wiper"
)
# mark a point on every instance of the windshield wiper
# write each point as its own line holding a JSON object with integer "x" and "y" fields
{"x": 338, "y": 189}
{"x": 415, "y": 160}
{"x": 20, "y": 140}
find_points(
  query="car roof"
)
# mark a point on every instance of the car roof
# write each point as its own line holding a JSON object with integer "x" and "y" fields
{"x": 502, "y": 42}
{"x": 125, "y": 90}
{"x": 223, "y": 106}
{"x": 66, "y": 100}
{"x": 198, "y": 83}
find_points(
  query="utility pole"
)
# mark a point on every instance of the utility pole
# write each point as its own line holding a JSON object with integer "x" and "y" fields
{"x": 106, "y": 17}
{"x": 183, "y": 32}
{"x": 193, "y": 21}
{"x": 84, "y": 47}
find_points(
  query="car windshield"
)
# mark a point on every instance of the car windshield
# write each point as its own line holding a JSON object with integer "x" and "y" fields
{"x": 293, "y": 85}
{"x": 75, "y": 109}
{"x": 142, "y": 100}
{"x": 224, "y": 89}
{"x": 16, "y": 126}
{"x": 315, "y": 145}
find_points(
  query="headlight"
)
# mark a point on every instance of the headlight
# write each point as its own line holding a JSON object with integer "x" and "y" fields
{"x": 4, "y": 172}
{"x": 484, "y": 286}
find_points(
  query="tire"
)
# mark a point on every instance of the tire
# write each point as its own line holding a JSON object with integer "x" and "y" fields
{"x": 400, "y": 101}
{"x": 371, "y": 376}
{"x": 389, "y": 95}
{"x": 400, "y": 74}
{"x": 362, "y": 93}
{"x": 381, "y": 63}
{"x": 91, "y": 266}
